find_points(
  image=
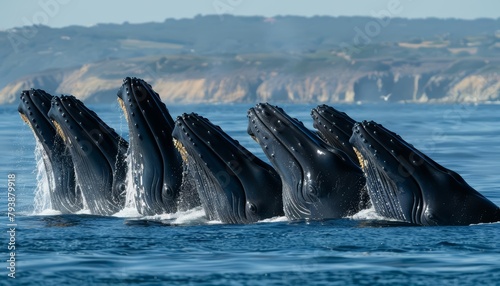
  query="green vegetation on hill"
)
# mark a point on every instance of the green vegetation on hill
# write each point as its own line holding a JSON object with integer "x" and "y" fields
{"x": 216, "y": 49}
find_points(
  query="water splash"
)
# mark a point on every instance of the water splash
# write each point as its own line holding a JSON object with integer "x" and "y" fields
{"x": 130, "y": 192}
{"x": 185, "y": 216}
{"x": 42, "y": 192}
{"x": 130, "y": 208}
{"x": 47, "y": 212}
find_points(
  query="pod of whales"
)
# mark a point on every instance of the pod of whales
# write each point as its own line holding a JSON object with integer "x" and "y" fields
{"x": 335, "y": 172}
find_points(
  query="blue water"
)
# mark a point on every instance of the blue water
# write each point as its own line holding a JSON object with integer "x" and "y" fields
{"x": 186, "y": 249}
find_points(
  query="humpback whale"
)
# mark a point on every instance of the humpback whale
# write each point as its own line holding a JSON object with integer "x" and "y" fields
{"x": 319, "y": 181}
{"x": 234, "y": 186}
{"x": 156, "y": 164}
{"x": 406, "y": 185}
{"x": 64, "y": 196}
{"x": 335, "y": 128}
{"x": 98, "y": 154}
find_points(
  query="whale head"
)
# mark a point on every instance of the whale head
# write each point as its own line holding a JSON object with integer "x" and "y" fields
{"x": 234, "y": 185}
{"x": 407, "y": 185}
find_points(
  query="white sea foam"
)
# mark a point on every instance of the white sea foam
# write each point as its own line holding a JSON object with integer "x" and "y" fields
{"x": 274, "y": 219}
{"x": 128, "y": 212}
{"x": 193, "y": 216}
{"x": 47, "y": 212}
{"x": 367, "y": 214}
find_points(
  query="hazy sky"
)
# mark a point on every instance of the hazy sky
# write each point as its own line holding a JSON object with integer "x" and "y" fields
{"x": 60, "y": 13}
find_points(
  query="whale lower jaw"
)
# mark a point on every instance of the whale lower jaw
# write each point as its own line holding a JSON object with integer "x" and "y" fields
{"x": 211, "y": 194}
{"x": 382, "y": 191}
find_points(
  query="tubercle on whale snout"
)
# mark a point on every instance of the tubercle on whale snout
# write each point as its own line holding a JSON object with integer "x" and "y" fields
{"x": 254, "y": 129}
{"x": 32, "y": 108}
{"x": 263, "y": 114}
{"x": 374, "y": 138}
{"x": 136, "y": 90}
{"x": 192, "y": 128}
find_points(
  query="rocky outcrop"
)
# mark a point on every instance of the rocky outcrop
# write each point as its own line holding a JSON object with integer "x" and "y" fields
{"x": 49, "y": 81}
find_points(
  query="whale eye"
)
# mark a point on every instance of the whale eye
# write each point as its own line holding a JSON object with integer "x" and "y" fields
{"x": 252, "y": 208}
{"x": 430, "y": 217}
{"x": 169, "y": 191}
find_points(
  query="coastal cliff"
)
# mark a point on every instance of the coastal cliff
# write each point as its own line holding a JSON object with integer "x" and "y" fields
{"x": 251, "y": 84}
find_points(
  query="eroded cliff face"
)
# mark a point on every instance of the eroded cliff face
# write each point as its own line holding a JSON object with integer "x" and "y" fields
{"x": 11, "y": 92}
{"x": 272, "y": 85}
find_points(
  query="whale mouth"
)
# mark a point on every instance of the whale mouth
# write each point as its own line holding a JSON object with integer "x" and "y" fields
{"x": 236, "y": 184}
{"x": 26, "y": 120}
{"x": 182, "y": 150}
{"x": 121, "y": 103}
{"x": 361, "y": 159}
{"x": 59, "y": 130}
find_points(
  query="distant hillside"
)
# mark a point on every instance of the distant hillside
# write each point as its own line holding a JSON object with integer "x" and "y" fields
{"x": 248, "y": 59}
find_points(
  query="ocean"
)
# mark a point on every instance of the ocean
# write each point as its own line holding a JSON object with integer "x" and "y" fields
{"x": 187, "y": 249}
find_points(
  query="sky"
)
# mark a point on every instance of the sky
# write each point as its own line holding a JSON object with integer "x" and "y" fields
{"x": 61, "y": 13}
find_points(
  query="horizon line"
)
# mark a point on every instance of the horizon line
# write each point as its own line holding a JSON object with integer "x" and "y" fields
{"x": 247, "y": 16}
